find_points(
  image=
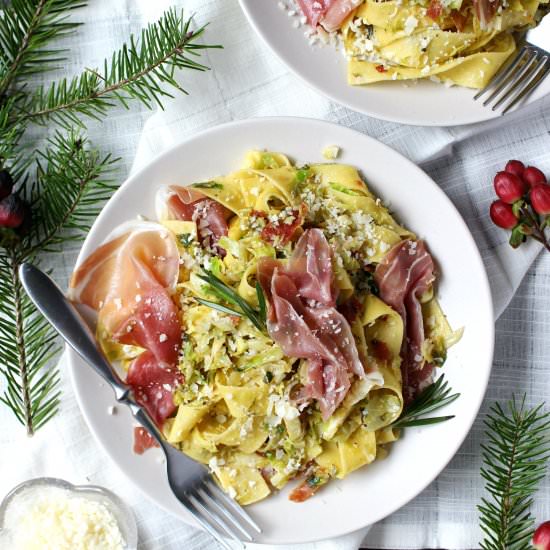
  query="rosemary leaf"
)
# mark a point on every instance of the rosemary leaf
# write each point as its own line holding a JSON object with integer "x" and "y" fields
{"x": 432, "y": 398}
{"x": 219, "y": 307}
{"x": 261, "y": 302}
{"x": 421, "y": 421}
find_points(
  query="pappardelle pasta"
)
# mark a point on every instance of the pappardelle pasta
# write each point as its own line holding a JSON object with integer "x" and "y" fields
{"x": 274, "y": 322}
{"x": 462, "y": 42}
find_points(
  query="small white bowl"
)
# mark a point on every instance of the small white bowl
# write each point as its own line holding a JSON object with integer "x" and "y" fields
{"x": 122, "y": 513}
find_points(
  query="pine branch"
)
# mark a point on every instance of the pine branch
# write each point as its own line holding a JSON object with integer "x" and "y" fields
{"x": 26, "y": 27}
{"x": 68, "y": 193}
{"x": 515, "y": 461}
{"x": 27, "y": 345}
{"x": 70, "y": 181}
{"x": 140, "y": 70}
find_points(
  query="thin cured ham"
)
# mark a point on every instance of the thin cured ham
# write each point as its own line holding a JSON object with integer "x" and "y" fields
{"x": 485, "y": 11}
{"x": 337, "y": 12}
{"x": 314, "y": 10}
{"x": 129, "y": 281}
{"x": 403, "y": 276}
{"x": 153, "y": 383}
{"x": 188, "y": 204}
{"x": 329, "y": 13}
{"x": 303, "y": 319}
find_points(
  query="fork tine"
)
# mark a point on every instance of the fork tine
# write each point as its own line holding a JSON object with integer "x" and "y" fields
{"x": 520, "y": 81}
{"x": 215, "y": 517}
{"x": 204, "y": 521}
{"x": 220, "y": 495}
{"x": 212, "y": 499}
{"x": 531, "y": 86}
{"x": 503, "y": 73}
{"x": 507, "y": 86}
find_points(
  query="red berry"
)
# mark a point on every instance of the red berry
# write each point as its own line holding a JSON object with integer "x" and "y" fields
{"x": 12, "y": 212}
{"x": 509, "y": 187}
{"x": 540, "y": 199}
{"x": 502, "y": 215}
{"x": 533, "y": 176}
{"x": 541, "y": 538}
{"x": 6, "y": 184}
{"x": 515, "y": 167}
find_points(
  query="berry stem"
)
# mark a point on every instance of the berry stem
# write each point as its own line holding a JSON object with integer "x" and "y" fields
{"x": 538, "y": 232}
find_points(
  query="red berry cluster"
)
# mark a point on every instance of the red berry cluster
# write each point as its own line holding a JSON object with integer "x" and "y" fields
{"x": 12, "y": 208}
{"x": 524, "y": 202}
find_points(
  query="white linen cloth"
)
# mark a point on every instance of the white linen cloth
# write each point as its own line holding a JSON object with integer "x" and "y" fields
{"x": 246, "y": 81}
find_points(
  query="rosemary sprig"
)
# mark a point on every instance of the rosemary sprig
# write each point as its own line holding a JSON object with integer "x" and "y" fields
{"x": 432, "y": 398}
{"x": 226, "y": 293}
{"x": 515, "y": 460}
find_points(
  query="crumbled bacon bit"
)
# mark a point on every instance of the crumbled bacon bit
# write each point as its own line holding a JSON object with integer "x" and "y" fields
{"x": 380, "y": 350}
{"x": 282, "y": 230}
{"x": 235, "y": 319}
{"x": 435, "y": 9}
{"x": 350, "y": 309}
{"x": 258, "y": 214}
{"x": 381, "y": 68}
{"x": 143, "y": 440}
{"x": 459, "y": 19}
{"x": 302, "y": 492}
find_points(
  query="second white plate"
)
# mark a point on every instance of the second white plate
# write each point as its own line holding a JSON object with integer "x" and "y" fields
{"x": 423, "y": 103}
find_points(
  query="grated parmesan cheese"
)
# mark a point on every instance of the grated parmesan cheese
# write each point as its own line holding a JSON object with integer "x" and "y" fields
{"x": 331, "y": 152}
{"x": 50, "y": 518}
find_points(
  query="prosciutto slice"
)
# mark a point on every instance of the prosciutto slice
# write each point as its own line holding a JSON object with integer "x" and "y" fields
{"x": 188, "y": 204}
{"x": 485, "y": 11}
{"x": 128, "y": 281}
{"x": 404, "y": 274}
{"x": 303, "y": 320}
{"x": 153, "y": 383}
{"x": 329, "y": 13}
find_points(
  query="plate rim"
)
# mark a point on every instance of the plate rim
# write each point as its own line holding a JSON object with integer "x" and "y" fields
{"x": 73, "y": 359}
{"x": 490, "y": 114}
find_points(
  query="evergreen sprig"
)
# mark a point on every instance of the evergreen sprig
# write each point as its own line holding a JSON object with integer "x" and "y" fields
{"x": 515, "y": 461}
{"x": 28, "y": 345}
{"x": 72, "y": 183}
{"x": 64, "y": 183}
{"x": 26, "y": 31}
{"x": 140, "y": 70}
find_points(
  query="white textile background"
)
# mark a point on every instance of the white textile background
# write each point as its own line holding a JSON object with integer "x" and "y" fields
{"x": 248, "y": 81}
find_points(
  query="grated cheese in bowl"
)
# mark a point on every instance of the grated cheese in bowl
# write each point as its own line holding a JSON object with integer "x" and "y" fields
{"x": 48, "y": 514}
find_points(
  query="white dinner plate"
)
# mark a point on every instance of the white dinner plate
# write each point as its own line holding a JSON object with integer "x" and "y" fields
{"x": 324, "y": 68}
{"x": 372, "y": 493}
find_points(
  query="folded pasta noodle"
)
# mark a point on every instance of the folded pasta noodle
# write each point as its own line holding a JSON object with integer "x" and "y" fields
{"x": 313, "y": 392}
